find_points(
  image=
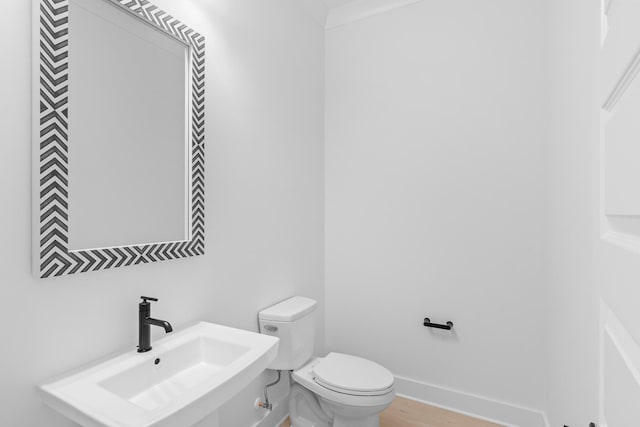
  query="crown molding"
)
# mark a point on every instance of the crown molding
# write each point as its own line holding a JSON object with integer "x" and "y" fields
{"x": 361, "y": 9}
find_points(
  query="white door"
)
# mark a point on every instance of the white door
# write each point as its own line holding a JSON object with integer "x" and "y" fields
{"x": 617, "y": 245}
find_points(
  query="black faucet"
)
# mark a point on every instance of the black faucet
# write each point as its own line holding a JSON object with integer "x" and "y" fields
{"x": 144, "y": 323}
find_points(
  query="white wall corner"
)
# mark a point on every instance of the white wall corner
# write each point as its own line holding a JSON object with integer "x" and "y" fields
{"x": 317, "y": 9}
{"x": 503, "y": 413}
{"x": 362, "y": 9}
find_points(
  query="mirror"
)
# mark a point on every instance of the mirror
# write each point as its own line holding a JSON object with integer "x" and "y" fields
{"x": 127, "y": 104}
{"x": 118, "y": 136}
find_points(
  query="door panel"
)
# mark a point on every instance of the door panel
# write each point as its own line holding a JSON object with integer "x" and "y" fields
{"x": 622, "y": 42}
{"x": 620, "y": 374}
{"x": 617, "y": 247}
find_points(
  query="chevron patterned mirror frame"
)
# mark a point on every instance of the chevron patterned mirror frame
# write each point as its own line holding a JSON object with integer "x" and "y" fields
{"x": 51, "y": 254}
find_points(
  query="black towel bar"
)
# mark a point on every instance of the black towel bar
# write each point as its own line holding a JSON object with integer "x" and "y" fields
{"x": 427, "y": 323}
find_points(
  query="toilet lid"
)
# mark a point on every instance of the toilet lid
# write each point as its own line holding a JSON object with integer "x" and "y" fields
{"x": 351, "y": 374}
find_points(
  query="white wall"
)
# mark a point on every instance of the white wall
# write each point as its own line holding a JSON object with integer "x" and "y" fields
{"x": 572, "y": 397}
{"x": 264, "y": 198}
{"x": 436, "y": 128}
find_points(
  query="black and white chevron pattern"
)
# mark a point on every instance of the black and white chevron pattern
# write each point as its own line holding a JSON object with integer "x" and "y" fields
{"x": 55, "y": 258}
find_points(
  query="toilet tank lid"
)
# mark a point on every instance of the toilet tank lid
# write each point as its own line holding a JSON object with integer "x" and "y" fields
{"x": 288, "y": 310}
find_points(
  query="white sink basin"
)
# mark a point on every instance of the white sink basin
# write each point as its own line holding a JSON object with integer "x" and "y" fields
{"x": 199, "y": 369}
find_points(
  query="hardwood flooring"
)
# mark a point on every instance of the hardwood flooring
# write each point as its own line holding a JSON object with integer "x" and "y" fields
{"x": 409, "y": 413}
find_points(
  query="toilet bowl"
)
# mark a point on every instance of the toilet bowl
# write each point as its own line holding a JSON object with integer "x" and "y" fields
{"x": 338, "y": 390}
{"x": 350, "y": 391}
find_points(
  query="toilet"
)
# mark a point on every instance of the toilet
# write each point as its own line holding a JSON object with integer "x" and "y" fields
{"x": 337, "y": 390}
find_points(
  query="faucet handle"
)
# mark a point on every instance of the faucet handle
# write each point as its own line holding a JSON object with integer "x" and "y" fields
{"x": 147, "y": 299}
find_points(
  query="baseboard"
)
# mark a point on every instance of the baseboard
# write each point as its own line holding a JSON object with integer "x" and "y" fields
{"x": 503, "y": 413}
{"x": 506, "y": 414}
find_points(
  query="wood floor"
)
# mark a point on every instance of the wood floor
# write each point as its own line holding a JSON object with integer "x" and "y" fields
{"x": 408, "y": 413}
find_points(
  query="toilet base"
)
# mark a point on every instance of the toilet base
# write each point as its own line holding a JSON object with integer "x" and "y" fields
{"x": 373, "y": 421}
{"x": 339, "y": 422}
{"x": 306, "y": 409}
{"x": 351, "y": 416}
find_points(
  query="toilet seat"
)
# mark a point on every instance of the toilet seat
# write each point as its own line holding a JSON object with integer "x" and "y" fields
{"x": 352, "y": 375}
{"x": 305, "y": 377}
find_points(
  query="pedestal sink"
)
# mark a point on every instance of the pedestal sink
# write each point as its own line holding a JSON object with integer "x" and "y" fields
{"x": 185, "y": 377}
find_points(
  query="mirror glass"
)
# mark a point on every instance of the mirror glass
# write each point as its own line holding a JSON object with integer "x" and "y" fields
{"x": 128, "y": 133}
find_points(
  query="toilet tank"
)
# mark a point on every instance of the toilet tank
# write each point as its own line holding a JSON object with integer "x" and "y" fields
{"x": 294, "y": 322}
